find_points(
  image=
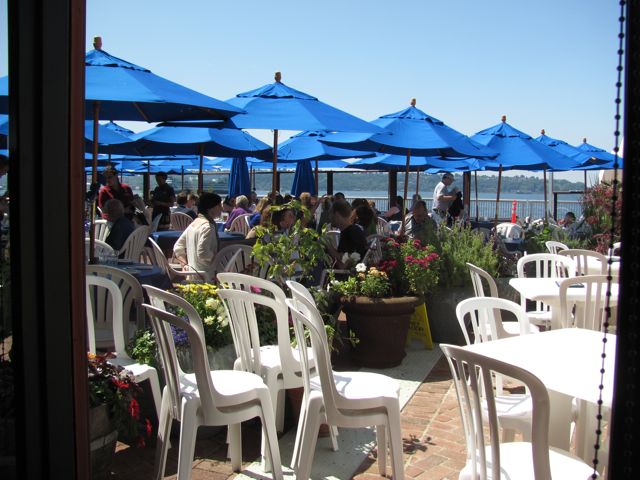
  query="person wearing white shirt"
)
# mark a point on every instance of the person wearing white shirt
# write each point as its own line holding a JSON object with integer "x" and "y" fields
{"x": 443, "y": 196}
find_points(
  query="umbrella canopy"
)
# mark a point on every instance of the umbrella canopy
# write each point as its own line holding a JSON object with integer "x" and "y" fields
{"x": 307, "y": 146}
{"x": 4, "y": 130}
{"x": 203, "y": 141}
{"x": 239, "y": 183}
{"x": 303, "y": 180}
{"x": 519, "y": 151}
{"x": 398, "y": 162}
{"x": 564, "y": 148}
{"x": 279, "y": 107}
{"x": 109, "y": 139}
{"x": 596, "y": 152}
{"x": 412, "y": 129}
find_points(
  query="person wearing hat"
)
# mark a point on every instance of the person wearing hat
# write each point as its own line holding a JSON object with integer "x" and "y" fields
{"x": 114, "y": 189}
{"x": 162, "y": 199}
{"x": 197, "y": 246}
{"x": 443, "y": 197}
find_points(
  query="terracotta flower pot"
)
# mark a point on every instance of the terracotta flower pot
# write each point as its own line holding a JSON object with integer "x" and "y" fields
{"x": 381, "y": 326}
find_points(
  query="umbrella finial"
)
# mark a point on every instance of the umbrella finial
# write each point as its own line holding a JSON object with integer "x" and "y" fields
{"x": 97, "y": 43}
{"x": 504, "y": 118}
{"x": 542, "y": 132}
{"x": 413, "y": 102}
{"x": 278, "y": 77}
{"x": 584, "y": 140}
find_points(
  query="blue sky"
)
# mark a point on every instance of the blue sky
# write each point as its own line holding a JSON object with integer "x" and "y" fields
{"x": 545, "y": 64}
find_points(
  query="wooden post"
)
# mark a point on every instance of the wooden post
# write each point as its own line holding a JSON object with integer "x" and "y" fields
{"x": 498, "y": 195}
{"x": 406, "y": 189}
{"x": 476, "y": 189}
{"x": 275, "y": 179}
{"x": 94, "y": 179}
{"x": 200, "y": 176}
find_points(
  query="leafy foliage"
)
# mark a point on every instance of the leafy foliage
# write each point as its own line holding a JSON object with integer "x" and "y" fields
{"x": 142, "y": 347}
{"x": 597, "y": 206}
{"x": 459, "y": 246}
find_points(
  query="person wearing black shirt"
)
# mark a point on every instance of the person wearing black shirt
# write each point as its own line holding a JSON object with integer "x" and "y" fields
{"x": 352, "y": 237}
{"x": 163, "y": 198}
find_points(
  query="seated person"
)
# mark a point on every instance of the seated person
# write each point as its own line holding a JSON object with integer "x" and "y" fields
{"x": 579, "y": 229}
{"x": 421, "y": 226}
{"x": 283, "y": 219}
{"x": 365, "y": 219}
{"x": 352, "y": 237}
{"x": 182, "y": 199}
{"x": 265, "y": 221}
{"x": 241, "y": 208}
{"x": 396, "y": 209}
{"x": 456, "y": 209}
{"x": 255, "y": 218}
{"x": 120, "y": 227}
{"x": 197, "y": 246}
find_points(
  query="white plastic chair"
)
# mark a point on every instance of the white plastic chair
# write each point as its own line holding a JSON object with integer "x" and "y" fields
{"x": 275, "y": 363}
{"x": 155, "y": 223}
{"x": 554, "y": 247}
{"x": 180, "y": 221}
{"x": 373, "y": 255}
{"x": 347, "y": 399}
{"x": 617, "y": 246}
{"x": 241, "y": 261}
{"x": 472, "y": 375}
{"x": 581, "y": 260}
{"x": 382, "y": 226}
{"x": 510, "y": 230}
{"x": 140, "y": 371}
{"x": 240, "y": 224}
{"x": 132, "y": 299}
{"x": 478, "y": 275}
{"x": 133, "y": 245}
{"x": 545, "y": 265}
{"x": 100, "y": 248}
{"x": 100, "y": 229}
{"x": 224, "y": 256}
{"x": 205, "y": 397}
{"x": 174, "y": 272}
{"x": 590, "y": 314}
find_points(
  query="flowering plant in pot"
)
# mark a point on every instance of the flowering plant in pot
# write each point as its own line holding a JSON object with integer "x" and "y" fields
{"x": 114, "y": 387}
{"x": 379, "y": 300}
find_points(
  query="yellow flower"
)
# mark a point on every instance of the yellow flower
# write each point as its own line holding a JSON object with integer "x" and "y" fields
{"x": 209, "y": 320}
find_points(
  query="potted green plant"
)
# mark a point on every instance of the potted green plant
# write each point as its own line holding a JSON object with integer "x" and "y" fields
{"x": 457, "y": 247}
{"x": 114, "y": 412}
{"x": 379, "y": 300}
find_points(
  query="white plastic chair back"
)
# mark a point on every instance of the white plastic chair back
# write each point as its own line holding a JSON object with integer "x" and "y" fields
{"x": 248, "y": 283}
{"x": 97, "y": 287}
{"x": 100, "y": 248}
{"x": 617, "y": 246}
{"x": 224, "y": 256}
{"x": 100, "y": 229}
{"x": 591, "y": 313}
{"x": 581, "y": 259}
{"x": 132, "y": 299}
{"x": 157, "y": 257}
{"x": 472, "y": 376}
{"x": 148, "y": 212}
{"x": 554, "y": 247}
{"x": 241, "y": 261}
{"x": 240, "y": 224}
{"x": 373, "y": 256}
{"x": 484, "y": 321}
{"x": 133, "y": 245}
{"x": 510, "y": 230}
{"x": 154, "y": 223}
{"x": 382, "y": 226}
{"x": 334, "y": 237}
{"x": 180, "y": 221}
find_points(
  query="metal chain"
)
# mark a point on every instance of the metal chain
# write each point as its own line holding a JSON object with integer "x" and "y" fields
{"x": 614, "y": 199}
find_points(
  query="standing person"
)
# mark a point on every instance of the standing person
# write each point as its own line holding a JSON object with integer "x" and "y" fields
{"x": 162, "y": 199}
{"x": 198, "y": 244}
{"x": 115, "y": 189}
{"x": 443, "y": 197}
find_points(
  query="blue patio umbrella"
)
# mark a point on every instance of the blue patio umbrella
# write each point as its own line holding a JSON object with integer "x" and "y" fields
{"x": 519, "y": 151}
{"x": 109, "y": 139}
{"x": 597, "y": 152}
{"x": 239, "y": 182}
{"x": 277, "y": 106}
{"x": 413, "y": 132}
{"x": 307, "y": 146}
{"x": 564, "y": 148}
{"x": 4, "y": 130}
{"x": 398, "y": 162}
{"x": 202, "y": 141}
{"x": 303, "y": 180}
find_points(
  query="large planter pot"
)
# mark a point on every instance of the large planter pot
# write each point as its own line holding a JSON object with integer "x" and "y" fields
{"x": 103, "y": 437}
{"x": 441, "y": 310}
{"x": 380, "y": 326}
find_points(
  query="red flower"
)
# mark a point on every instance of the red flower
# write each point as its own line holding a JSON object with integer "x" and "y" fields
{"x": 120, "y": 384}
{"x": 134, "y": 408}
{"x": 148, "y": 427}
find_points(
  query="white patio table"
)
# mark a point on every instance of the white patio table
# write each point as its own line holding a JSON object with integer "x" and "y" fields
{"x": 568, "y": 362}
{"x": 547, "y": 290}
{"x": 594, "y": 265}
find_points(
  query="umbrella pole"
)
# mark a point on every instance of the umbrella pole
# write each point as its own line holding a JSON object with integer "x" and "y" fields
{"x": 585, "y": 182}
{"x": 406, "y": 189}
{"x": 182, "y": 179}
{"x": 200, "y": 177}
{"x": 94, "y": 179}
{"x": 498, "y": 195}
{"x": 475, "y": 175}
{"x": 417, "y": 182}
{"x": 317, "y": 183}
{"x": 274, "y": 178}
{"x": 546, "y": 209}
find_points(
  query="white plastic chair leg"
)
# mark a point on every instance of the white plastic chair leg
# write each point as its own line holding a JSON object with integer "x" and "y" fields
{"x": 234, "y": 449}
{"x": 395, "y": 442}
{"x": 280, "y": 403}
{"x": 188, "y": 433}
{"x": 333, "y": 433}
{"x": 381, "y": 438}
{"x": 270, "y": 437}
{"x": 309, "y": 439}
{"x": 155, "y": 390}
{"x": 299, "y": 432}
{"x": 162, "y": 442}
